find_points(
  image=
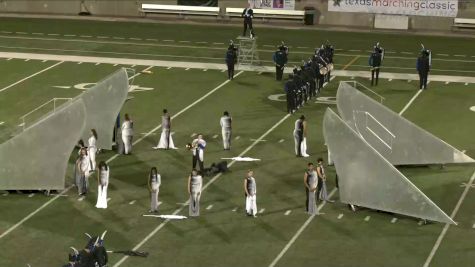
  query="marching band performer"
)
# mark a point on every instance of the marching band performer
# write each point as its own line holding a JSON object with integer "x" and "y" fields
{"x": 231, "y": 59}
{"x": 197, "y": 148}
{"x": 250, "y": 189}
{"x": 81, "y": 171}
{"x": 375, "y": 62}
{"x": 127, "y": 134}
{"x": 310, "y": 180}
{"x": 166, "y": 140}
{"x": 195, "y": 184}
{"x": 226, "y": 129}
{"x": 154, "y": 182}
{"x": 424, "y": 63}
{"x": 248, "y": 14}
{"x": 303, "y": 145}
{"x": 328, "y": 52}
{"x": 298, "y": 135}
{"x": 92, "y": 149}
{"x": 322, "y": 192}
{"x": 102, "y": 184}
{"x": 280, "y": 58}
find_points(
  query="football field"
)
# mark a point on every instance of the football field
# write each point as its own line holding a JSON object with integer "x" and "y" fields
{"x": 45, "y": 59}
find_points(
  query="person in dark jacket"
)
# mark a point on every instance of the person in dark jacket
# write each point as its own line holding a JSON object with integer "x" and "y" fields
{"x": 423, "y": 67}
{"x": 231, "y": 60}
{"x": 248, "y": 14}
{"x": 280, "y": 59}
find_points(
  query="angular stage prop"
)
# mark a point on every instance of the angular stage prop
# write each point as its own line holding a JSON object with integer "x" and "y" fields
{"x": 37, "y": 158}
{"x": 398, "y": 140}
{"x": 367, "y": 179}
{"x": 103, "y": 103}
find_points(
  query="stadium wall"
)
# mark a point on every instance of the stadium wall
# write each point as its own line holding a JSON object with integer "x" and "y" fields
{"x": 129, "y": 8}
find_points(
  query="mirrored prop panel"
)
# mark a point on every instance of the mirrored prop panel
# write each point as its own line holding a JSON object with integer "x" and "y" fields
{"x": 367, "y": 179}
{"x": 37, "y": 158}
{"x": 103, "y": 103}
{"x": 400, "y": 141}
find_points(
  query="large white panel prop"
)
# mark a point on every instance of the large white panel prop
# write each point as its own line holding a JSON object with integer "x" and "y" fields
{"x": 37, "y": 158}
{"x": 367, "y": 179}
{"x": 400, "y": 141}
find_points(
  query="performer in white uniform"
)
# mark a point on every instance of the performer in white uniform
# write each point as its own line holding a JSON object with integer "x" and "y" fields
{"x": 225, "y": 123}
{"x": 92, "y": 149}
{"x": 102, "y": 184}
{"x": 166, "y": 140}
{"x": 197, "y": 148}
{"x": 303, "y": 145}
{"x": 81, "y": 171}
{"x": 154, "y": 182}
{"x": 195, "y": 184}
{"x": 127, "y": 134}
{"x": 322, "y": 192}
{"x": 311, "y": 182}
{"x": 299, "y": 135}
{"x": 250, "y": 189}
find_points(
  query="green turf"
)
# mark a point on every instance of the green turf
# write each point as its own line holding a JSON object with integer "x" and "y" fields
{"x": 222, "y": 237}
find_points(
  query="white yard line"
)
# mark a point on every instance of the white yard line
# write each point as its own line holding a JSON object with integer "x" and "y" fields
{"x": 410, "y": 102}
{"x": 446, "y": 228}
{"x": 160, "y": 226}
{"x": 287, "y": 212}
{"x": 299, "y": 232}
{"x": 113, "y": 157}
{"x": 32, "y": 75}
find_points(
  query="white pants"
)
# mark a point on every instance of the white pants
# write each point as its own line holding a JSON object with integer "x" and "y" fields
{"x": 226, "y": 138}
{"x": 164, "y": 143}
{"x": 251, "y": 205}
{"x": 303, "y": 147}
{"x": 92, "y": 155}
{"x": 195, "y": 203}
{"x": 101, "y": 197}
{"x": 154, "y": 200}
{"x": 127, "y": 139}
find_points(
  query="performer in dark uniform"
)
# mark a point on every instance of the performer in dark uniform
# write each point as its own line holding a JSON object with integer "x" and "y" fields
{"x": 328, "y": 52}
{"x": 280, "y": 59}
{"x": 231, "y": 60}
{"x": 423, "y": 67}
{"x": 248, "y": 14}
{"x": 197, "y": 148}
{"x": 310, "y": 182}
{"x": 375, "y": 62}
{"x": 73, "y": 259}
{"x": 289, "y": 92}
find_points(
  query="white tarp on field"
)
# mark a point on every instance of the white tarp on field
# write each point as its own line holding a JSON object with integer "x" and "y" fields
{"x": 438, "y": 8}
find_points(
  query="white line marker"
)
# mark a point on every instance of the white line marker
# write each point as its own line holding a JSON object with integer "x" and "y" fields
{"x": 251, "y": 139}
{"x": 394, "y": 220}
{"x": 187, "y": 69}
{"x": 132, "y": 202}
{"x": 235, "y": 209}
{"x": 79, "y": 63}
{"x": 151, "y": 39}
{"x": 447, "y": 82}
{"x": 115, "y": 65}
{"x": 215, "y": 136}
{"x": 193, "y": 134}
{"x": 223, "y": 70}
{"x": 53, "y": 34}
{"x": 159, "y": 203}
{"x": 134, "y": 38}
{"x": 390, "y": 80}
{"x": 259, "y": 73}
{"x": 26, "y": 60}
{"x": 218, "y": 43}
{"x": 262, "y": 210}
{"x": 299, "y": 232}
{"x": 8, "y": 59}
{"x": 44, "y": 61}
{"x": 205, "y": 69}
{"x": 460, "y": 55}
{"x": 237, "y": 137}
{"x": 473, "y": 226}
{"x": 268, "y": 45}
{"x": 5, "y": 194}
{"x": 103, "y": 37}
{"x": 407, "y": 53}
{"x": 366, "y": 219}
{"x": 184, "y": 41}
{"x": 354, "y": 50}
{"x": 410, "y": 102}
{"x": 6, "y": 32}
{"x": 209, "y": 207}
{"x": 466, "y": 83}
{"x": 133, "y": 66}
{"x": 141, "y": 243}
{"x": 31, "y": 195}
{"x": 168, "y": 40}
{"x": 201, "y": 42}
{"x": 340, "y": 216}
{"x": 86, "y": 36}
{"x": 287, "y": 212}
{"x": 302, "y": 47}
{"x": 98, "y": 63}
{"x": 444, "y": 55}
{"x": 21, "y": 124}
{"x": 79, "y": 199}
{"x": 21, "y": 33}
{"x": 169, "y": 68}
{"x": 32, "y": 75}
{"x": 281, "y": 140}
{"x": 118, "y": 38}
{"x": 70, "y": 35}
{"x": 421, "y": 222}
{"x": 408, "y": 81}
{"x": 108, "y": 199}
{"x": 2, "y": 122}
{"x": 446, "y": 228}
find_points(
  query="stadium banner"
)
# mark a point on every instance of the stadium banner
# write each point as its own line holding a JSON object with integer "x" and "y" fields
{"x": 197, "y": 2}
{"x": 273, "y": 4}
{"x": 437, "y": 8}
